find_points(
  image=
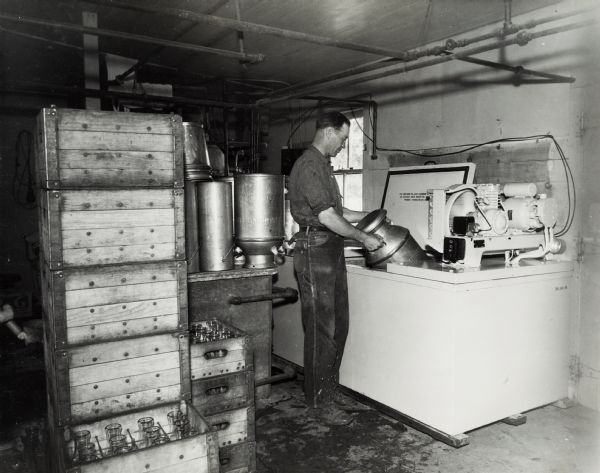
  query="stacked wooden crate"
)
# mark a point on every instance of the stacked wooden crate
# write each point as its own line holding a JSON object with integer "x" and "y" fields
{"x": 114, "y": 289}
{"x": 223, "y": 390}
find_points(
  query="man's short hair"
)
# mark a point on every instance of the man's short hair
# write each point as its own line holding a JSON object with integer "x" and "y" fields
{"x": 333, "y": 119}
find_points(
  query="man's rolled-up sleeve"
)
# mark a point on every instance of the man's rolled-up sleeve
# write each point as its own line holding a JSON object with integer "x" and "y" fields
{"x": 315, "y": 187}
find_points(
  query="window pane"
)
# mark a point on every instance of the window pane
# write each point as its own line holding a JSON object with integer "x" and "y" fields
{"x": 340, "y": 180}
{"x": 355, "y": 143}
{"x": 353, "y": 191}
{"x": 340, "y": 160}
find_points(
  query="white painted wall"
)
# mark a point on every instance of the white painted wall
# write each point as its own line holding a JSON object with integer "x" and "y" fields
{"x": 456, "y": 103}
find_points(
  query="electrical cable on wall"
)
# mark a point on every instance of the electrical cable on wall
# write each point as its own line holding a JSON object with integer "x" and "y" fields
{"x": 23, "y": 182}
{"x": 570, "y": 181}
{"x": 304, "y": 116}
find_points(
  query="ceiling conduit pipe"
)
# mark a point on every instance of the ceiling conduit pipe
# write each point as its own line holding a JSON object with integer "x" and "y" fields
{"x": 132, "y": 37}
{"x": 57, "y": 90}
{"x": 255, "y": 28}
{"x": 522, "y": 38}
{"x": 413, "y": 55}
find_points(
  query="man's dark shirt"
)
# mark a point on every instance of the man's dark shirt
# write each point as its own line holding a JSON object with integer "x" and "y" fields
{"x": 313, "y": 188}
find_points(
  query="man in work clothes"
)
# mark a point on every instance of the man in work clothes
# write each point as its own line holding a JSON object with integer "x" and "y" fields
{"x": 319, "y": 263}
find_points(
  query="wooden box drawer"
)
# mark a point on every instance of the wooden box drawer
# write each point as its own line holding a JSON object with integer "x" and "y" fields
{"x": 82, "y": 148}
{"x": 233, "y": 426}
{"x": 99, "y": 304}
{"x": 240, "y": 458}
{"x": 223, "y": 393}
{"x": 215, "y": 357}
{"x": 197, "y": 452}
{"x": 94, "y": 381}
{"x": 97, "y": 227}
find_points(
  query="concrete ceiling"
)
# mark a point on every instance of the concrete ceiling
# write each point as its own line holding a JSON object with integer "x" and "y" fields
{"x": 392, "y": 24}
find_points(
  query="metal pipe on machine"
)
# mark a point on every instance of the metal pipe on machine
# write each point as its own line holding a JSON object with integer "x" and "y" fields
{"x": 259, "y": 217}
{"x": 215, "y": 229}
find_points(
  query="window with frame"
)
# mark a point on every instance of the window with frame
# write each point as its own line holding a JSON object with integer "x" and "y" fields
{"x": 348, "y": 165}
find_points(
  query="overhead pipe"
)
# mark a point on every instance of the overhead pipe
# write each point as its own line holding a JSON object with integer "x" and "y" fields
{"x": 64, "y": 90}
{"x": 239, "y": 34}
{"x": 40, "y": 38}
{"x": 521, "y": 39}
{"x": 71, "y": 46}
{"x": 122, "y": 77}
{"x": 414, "y": 54}
{"x": 519, "y": 70}
{"x": 246, "y": 26}
{"x": 253, "y": 58}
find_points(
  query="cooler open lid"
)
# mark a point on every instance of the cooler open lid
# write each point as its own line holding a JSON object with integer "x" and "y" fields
{"x": 405, "y": 193}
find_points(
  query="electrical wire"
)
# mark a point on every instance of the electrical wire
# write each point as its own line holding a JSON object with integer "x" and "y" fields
{"x": 569, "y": 179}
{"x": 304, "y": 116}
{"x": 23, "y": 182}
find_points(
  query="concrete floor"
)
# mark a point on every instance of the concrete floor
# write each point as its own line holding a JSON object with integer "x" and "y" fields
{"x": 553, "y": 440}
{"x": 289, "y": 440}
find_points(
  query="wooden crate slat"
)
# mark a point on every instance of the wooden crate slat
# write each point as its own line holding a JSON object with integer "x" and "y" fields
{"x": 125, "y": 293}
{"x": 239, "y": 458}
{"x": 108, "y": 237}
{"x": 134, "y": 383}
{"x": 79, "y": 148}
{"x": 124, "y": 349}
{"x": 106, "y": 276}
{"x": 81, "y": 304}
{"x": 126, "y": 401}
{"x": 116, "y": 199}
{"x": 199, "y": 450}
{"x": 223, "y": 393}
{"x": 103, "y": 159}
{"x": 119, "y": 254}
{"x": 110, "y": 331}
{"x": 53, "y": 221}
{"x": 123, "y": 368}
{"x": 201, "y": 367}
{"x": 97, "y": 140}
{"x": 125, "y": 122}
{"x": 113, "y": 177}
{"x": 116, "y": 219}
{"x": 157, "y": 458}
{"x": 99, "y": 227}
{"x": 110, "y": 313}
{"x": 233, "y": 426}
{"x": 197, "y": 465}
{"x": 129, "y": 419}
{"x": 46, "y": 147}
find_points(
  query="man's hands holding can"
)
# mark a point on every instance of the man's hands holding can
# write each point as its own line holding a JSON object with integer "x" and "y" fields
{"x": 373, "y": 241}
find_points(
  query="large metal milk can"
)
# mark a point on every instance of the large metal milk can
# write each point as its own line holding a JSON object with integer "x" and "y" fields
{"x": 197, "y": 168}
{"x": 197, "y": 162}
{"x": 215, "y": 229}
{"x": 259, "y": 217}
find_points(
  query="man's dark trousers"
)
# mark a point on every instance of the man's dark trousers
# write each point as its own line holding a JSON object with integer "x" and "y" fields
{"x": 321, "y": 271}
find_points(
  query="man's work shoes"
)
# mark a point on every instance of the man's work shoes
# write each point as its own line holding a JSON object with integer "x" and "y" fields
{"x": 346, "y": 403}
{"x": 330, "y": 414}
